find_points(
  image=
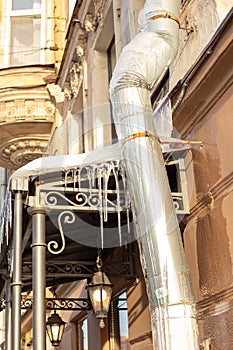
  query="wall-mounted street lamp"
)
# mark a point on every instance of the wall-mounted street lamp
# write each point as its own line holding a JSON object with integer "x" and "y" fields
{"x": 55, "y": 327}
{"x": 100, "y": 292}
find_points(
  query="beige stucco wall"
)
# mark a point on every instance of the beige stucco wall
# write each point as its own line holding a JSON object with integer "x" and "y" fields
{"x": 204, "y": 17}
{"x": 140, "y": 335}
{"x": 205, "y": 114}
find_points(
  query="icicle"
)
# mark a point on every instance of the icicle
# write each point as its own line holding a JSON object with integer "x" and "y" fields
{"x": 1, "y": 232}
{"x": 73, "y": 177}
{"x": 93, "y": 174}
{"x": 127, "y": 215}
{"x": 106, "y": 174}
{"x": 79, "y": 178}
{"x": 89, "y": 177}
{"x": 65, "y": 179}
{"x": 76, "y": 176}
{"x": 115, "y": 173}
{"x": 99, "y": 174}
{"x": 88, "y": 169}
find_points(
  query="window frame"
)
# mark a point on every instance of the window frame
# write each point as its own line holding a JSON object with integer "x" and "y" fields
{"x": 115, "y": 325}
{"x": 40, "y": 13}
{"x": 81, "y": 337}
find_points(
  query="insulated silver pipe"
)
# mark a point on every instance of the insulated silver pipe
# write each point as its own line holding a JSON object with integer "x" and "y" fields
{"x": 38, "y": 282}
{"x": 140, "y": 65}
{"x": 17, "y": 272}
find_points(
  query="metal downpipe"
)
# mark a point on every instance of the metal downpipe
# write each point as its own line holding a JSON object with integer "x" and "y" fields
{"x": 17, "y": 272}
{"x": 8, "y": 324}
{"x": 141, "y": 63}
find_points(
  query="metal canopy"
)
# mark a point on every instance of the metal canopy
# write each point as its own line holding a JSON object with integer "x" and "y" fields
{"x": 72, "y": 199}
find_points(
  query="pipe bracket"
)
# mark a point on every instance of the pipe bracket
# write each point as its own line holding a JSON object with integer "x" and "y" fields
{"x": 170, "y": 16}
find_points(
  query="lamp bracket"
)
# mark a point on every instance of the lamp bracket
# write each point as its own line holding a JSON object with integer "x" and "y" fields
{"x": 81, "y": 304}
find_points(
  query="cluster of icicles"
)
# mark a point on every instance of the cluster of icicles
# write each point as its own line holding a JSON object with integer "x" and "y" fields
{"x": 94, "y": 179}
{"x": 91, "y": 183}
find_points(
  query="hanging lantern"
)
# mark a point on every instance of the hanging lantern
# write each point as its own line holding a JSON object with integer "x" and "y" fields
{"x": 100, "y": 292}
{"x": 55, "y": 327}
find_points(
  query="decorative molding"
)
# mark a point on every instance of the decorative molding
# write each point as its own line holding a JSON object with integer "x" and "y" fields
{"x": 67, "y": 91}
{"x": 99, "y": 13}
{"x": 71, "y": 87}
{"x": 89, "y": 23}
{"x": 56, "y": 92}
{"x": 21, "y": 109}
{"x": 75, "y": 76}
{"x": 18, "y": 152}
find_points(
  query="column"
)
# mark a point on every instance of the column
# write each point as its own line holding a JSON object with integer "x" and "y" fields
{"x": 17, "y": 272}
{"x": 8, "y": 324}
{"x": 38, "y": 277}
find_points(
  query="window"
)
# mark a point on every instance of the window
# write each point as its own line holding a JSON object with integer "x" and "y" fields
{"x": 25, "y": 36}
{"x": 119, "y": 334}
{"x": 123, "y": 322}
{"x": 111, "y": 58}
{"x": 25, "y": 4}
{"x": 71, "y": 7}
{"x": 82, "y": 335}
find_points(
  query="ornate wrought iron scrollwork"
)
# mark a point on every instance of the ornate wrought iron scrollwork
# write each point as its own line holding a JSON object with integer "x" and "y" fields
{"x": 177, "y": 202}
{"x": 86, "y": 199}
{"x": 69, "y": 218}
{"x": 2, "y": 304}
{"x": 26, "y": 303}
{"x": 60, "y": 304}
{"x": 68, "y": 304}
{"x": 70, "y": 268}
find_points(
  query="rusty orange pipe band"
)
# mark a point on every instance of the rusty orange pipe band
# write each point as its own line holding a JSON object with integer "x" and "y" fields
{"x": 141, "y": 134}
{"x": 169, "y": 16}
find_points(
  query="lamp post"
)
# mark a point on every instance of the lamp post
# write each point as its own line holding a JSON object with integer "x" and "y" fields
{"x": 55, "y": 327}
{"x": 100, "y": 292}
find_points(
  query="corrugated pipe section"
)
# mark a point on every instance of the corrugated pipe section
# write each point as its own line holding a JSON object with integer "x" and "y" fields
{"x": 141, "y": 64}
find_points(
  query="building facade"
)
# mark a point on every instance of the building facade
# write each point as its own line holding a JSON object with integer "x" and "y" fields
{"x": 57, "y": 60}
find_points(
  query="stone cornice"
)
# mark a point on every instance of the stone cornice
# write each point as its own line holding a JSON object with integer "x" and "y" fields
{"x": 13, "y": 77}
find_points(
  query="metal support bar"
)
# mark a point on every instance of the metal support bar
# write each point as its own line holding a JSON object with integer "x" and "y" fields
{"x": 8, "y": 323}
{"x": 38, "y": 275}
{"x": 17, "y": 271}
